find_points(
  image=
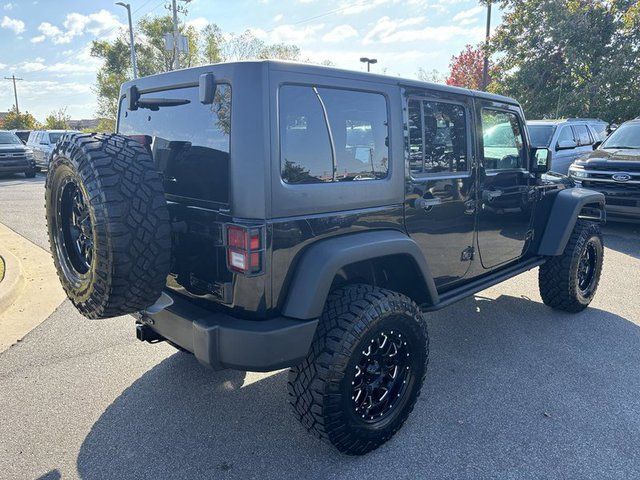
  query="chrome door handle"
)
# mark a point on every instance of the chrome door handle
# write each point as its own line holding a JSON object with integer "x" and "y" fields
{"x": 427, "y": 204}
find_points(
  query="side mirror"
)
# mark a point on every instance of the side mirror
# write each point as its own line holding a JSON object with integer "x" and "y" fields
{"x": 597, "y": 144}
{"x": 541, "y": 160}
{"x": 566, "y": 145}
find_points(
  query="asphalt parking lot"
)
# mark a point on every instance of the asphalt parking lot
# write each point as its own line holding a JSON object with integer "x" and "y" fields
{"x": 514, "y": 390}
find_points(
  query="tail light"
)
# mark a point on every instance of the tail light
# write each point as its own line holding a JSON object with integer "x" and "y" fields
{"x": 245, "y": 249}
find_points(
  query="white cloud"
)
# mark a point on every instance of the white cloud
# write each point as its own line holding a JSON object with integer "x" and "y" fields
{"x": 8, "y": 6}
{"x": 340, "y": 33}
{"x": 38, "y": 39}
{"x": 387, "y": 30}
{"x": 469, "y": 15}
{"x": 198, "y": 23}
{"x": 288, "y": 33}
{"x": 353, "y": 8}
{"x": 278, "y": 17}
{"x": 13, "y": 24}
{"x": 76, "y": 24}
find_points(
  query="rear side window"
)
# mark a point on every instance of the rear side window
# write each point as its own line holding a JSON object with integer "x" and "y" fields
{"x": 332, "y": 135}
{"x": 582, "y": 135}
{"x": 190, "y": 143}
{"x": 566, "y": 135}
{"x": 438, "y": 140}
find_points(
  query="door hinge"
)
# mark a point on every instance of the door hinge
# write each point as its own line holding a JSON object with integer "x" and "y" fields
{"x": 528, "y": 236}
{"x": 467, "y": 254}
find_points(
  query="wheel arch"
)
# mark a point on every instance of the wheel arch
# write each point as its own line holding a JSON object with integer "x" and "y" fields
{"x": 562, "y": 214}
{"x": 352, "y": 258}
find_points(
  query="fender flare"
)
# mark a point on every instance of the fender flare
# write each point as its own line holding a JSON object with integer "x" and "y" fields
{"x": 321, "y": 261}
{"x": 563, "y": 215}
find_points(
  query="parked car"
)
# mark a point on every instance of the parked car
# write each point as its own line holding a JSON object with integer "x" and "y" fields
{"x": 613, "y": 168}
{"x": 42, "y": 143}
{"x": 262, "y": 215}
{"x": 567, "y": 140}
{"x": 14, "y": 156}
{"x": 23, "y": 135}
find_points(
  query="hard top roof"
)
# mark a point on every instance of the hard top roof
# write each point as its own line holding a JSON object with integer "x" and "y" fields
{"x": 179, "y": 76}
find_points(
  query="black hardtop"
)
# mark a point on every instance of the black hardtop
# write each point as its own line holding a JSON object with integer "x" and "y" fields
{"x": 188, "y": 76}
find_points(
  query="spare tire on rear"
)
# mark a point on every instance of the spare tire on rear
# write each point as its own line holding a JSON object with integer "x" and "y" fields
{"x": 108, "y": 224}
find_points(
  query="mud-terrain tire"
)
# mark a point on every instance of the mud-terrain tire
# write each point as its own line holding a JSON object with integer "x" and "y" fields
{"x": 108, "y": 224}
{"x": 357, "y": 323}
{"x": 569, "y": 281}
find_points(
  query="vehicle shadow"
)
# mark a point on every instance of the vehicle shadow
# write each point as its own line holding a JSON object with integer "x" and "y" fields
{"x": 18, "y": 178}
{"x": 514, "y": 390}
{"x": 623, "y": 237}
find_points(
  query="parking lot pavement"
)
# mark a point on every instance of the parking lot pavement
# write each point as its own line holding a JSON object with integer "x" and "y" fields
{"x": 514, "y": 390}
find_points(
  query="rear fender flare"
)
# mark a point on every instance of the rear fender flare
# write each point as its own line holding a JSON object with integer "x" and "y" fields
{"x": 321, "y": 261}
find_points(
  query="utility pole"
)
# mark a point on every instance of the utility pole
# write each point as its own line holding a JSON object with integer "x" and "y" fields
{"x": 176, "y": 51}
{"x": 15, "y": 90}
{"x": 485, "y": 67}
{"x": 134, "y": 63}
{"x": 175, "y": 9}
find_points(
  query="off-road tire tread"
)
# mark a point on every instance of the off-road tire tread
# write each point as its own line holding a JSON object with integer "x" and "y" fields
{"x": 133, "y": 234}
{"x": 556, "y": 278}
{"x": 313, "y": 385}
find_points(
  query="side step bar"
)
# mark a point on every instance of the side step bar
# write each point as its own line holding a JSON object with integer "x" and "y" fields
{"x": 471, "y": 288}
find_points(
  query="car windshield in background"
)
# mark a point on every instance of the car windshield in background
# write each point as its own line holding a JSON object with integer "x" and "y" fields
{"x": 541, "y": 134}
{"x": 627, "y": 137}
{"x": 9, "y": 138}
{"x": 55, "y": 136}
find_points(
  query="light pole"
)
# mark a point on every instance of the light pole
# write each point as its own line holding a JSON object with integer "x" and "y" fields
{"x": 368, "y": 61}
{"x": 15, "y": 90}
{"x": 134, "y": 63}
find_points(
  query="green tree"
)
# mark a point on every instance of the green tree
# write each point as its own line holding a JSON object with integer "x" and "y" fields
{"x": 19, "y": 121}
{"x": 570, "y": 57}
{"x": 57, "y": 120}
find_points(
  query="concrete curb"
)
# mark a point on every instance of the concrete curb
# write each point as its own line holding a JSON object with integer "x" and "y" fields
{"x": 11, "y": 285}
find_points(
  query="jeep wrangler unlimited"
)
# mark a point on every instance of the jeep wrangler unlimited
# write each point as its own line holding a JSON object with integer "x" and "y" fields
{"x": 264, "y": 215}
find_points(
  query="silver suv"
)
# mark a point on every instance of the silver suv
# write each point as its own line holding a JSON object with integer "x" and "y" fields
{"x": 42, "y": 143}
{"x": 567, "y": 139}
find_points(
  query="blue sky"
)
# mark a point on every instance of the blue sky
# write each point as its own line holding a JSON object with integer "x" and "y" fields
{"x": 47, "y": 42}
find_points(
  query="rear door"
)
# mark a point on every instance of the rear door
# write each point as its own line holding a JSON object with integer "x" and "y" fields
{"x": 563, "y": 157}
{"x": 439, "y": 206}
{"x": 506, "y": 190}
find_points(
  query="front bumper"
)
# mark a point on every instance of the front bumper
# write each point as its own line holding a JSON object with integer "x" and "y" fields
{"x": 221, "y": 341}
{"x": 16, "y": 166}
{"x": 622, "y": 203}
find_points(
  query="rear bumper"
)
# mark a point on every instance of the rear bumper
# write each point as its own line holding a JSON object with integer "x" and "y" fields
{"x": 221, "y": 341}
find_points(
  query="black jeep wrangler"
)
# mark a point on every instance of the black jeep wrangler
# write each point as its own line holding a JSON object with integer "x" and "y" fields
{"x": 264, "y": 215}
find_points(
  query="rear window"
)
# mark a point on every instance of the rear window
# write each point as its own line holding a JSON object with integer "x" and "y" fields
{"x": 190, "y": 143}
{"x": 541, "y": 135}
{"x": 331, "y": 135}
{"x": 55, "y": 136}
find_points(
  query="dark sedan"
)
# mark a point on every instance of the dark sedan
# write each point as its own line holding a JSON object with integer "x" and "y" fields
{"x": 613, "y": 168}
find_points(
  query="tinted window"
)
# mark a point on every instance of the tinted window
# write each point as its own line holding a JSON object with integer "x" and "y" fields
{"x": 600, "y": 130}
{"x": 566, "y": 135}
{"x": 437, "y": 137}
{"x": 329, "y": 135}
{"x": 541, "y": 135}
{"x": 582, "y": 135}
{"x": 502, "y": 137}
{"x": 190, "y": 143}
{"x": 54, "y": 137}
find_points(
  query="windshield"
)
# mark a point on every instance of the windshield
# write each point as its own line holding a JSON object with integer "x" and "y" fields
{"x": 541, "y": 134}
{"x": 9, "y": 138}
{"x": 627, "y": 136}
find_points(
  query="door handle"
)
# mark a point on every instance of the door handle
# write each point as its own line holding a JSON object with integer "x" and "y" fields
{"x": 427, "y": 204}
